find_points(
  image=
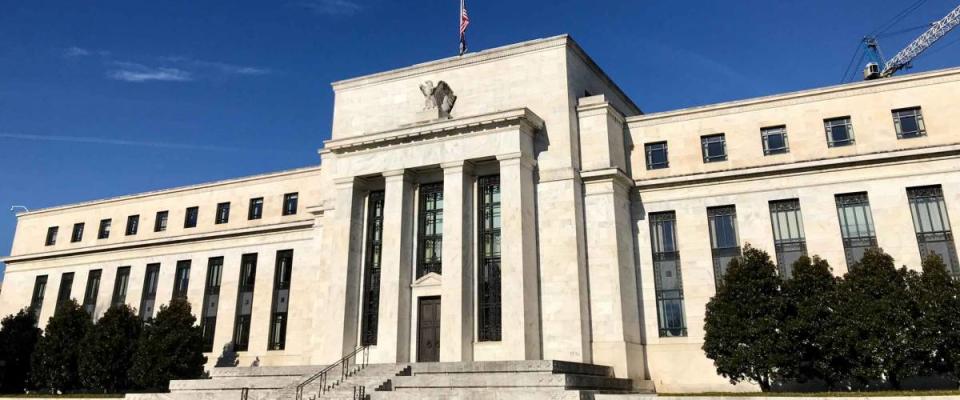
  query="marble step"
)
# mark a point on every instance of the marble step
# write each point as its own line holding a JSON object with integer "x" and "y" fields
{"x": 225, "y": 383}
{"x": 513, "y": 380}
{"x": 562, "y": 367}
{"x": 265, "y": 371}
{"x": 483, "y": 394}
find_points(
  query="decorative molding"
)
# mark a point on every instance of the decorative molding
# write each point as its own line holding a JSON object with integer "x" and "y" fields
{"x": 615, "y": 175}
{"x": 523, "y": 118}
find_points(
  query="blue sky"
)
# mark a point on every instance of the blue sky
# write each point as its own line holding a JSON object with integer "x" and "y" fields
{"x": 104, "y": 98}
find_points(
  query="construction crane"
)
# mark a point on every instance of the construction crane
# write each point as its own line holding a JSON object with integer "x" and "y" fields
{"x": 902, "y": 59}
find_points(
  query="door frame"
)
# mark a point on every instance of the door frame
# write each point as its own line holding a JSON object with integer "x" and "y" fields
{"x": 420, "y": 325}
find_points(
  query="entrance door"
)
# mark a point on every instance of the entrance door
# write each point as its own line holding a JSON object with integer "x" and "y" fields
{"x": 428, "y": 329}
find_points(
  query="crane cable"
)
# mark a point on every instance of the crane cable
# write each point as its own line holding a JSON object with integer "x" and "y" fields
{"x": 880, "y": 31}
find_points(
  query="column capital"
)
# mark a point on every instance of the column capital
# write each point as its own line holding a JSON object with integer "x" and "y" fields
{"x": 516, "y": 158}
{"x": 398, "y": 174}
{"x": 457, "y": 166}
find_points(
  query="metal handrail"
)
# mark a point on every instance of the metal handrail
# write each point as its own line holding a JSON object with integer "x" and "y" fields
{"x": 345, "y": 371}
{"x": 244, "y": 393}
{"x": 359, "y": 393}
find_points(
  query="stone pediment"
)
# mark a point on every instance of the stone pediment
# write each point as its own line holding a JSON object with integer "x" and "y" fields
{"x": 428, "y": 280}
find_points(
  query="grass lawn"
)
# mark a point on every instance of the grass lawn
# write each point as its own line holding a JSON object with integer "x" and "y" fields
{"x": 885, "y": 393}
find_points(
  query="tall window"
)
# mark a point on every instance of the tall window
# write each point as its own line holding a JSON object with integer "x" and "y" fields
{"x": 90, "y": 295}
{"x": 181, "y": 279}
{"x": 788, "y": 238}
{"x": 241, "y": 327}
{"x": 149, "y": 298}
{"x": 52, "y": 235}
{"x": 133, "y": 224}
{"x": 774, "y": 140}
{"x": 191, "y": 216}
{"x": 290, "y": 203}
{"x": 839, "y": 131}
{"x": 281, "y": 300}
{"x": 724, "y": 239}
{"x": 120, "y": 285}
{"x": 932, "y": 226}
{"x": 77, "y": 233}
{"x": 714, "y": 147}
{"x": 909, "y": 123}
{"x": 104, "y": 231}
{"x": 431, "y": 229}
{"x": 371, "y": 275}
{"x": 211, "y": 302}
{"x": 656, "y": 155}
{"x": 223, "y": 213}
{"x": 255, "y": 211}
{"x": 666, "y": 274}
{"x": 66, "y": 286}
{"x": 488, "y": 275}
{"x": 160, "y": 224}
{"x": 36, "y": 300}
{"x": 856, "y": 225}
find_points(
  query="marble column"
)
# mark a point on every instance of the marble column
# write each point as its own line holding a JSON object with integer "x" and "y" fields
{"x": 519, "y": 273}
{"x": 396, "y": 270}
{"x": 456, "y": 309}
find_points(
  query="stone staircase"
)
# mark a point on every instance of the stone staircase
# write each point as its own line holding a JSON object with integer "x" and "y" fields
{"x": 498, "y": 380}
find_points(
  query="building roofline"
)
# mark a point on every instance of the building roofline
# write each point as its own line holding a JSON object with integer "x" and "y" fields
{"x": 795, "y": 95}
{"x": 177, "y": 189}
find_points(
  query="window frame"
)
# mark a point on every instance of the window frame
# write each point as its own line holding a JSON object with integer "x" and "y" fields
{"x": 222, "y": 215}
{"x": 927, "y": 230}
{"x": 280, "y": 305}
{"x": 51, "y": 238}
{"x": 372, "y": 267}
{"x": 181, "y": 279}
{"x": 489, "y": 272}
{"x": 191, "y": 217}
{"x": 291, "y": 203}
{"x": 133, "y": 225}
{"x": 828, "y": 125}
{"x": 245, "y": 290}
{"x": 918, "y": 120}
{"x": 765, "y": 134}
{"x": 781, "y": 244}
{"x": 149, "y": 294}
{"x": 859, "y": 241}
{"x": 255, "y": 209}
{"x": 435, "y": 264}
{"x": 211, "y": 302}
{"x": 666, "y": 253}
{"x": 726, "y": 252}
{"x": 92, "y": 292}
{"x": 707, "y": 140}
{"x": 650, "y": 148}
{"x": 76, "y": 235}
{"x": 120, "y": 291}
{"x": 162, "y": 221}
{"x": 103, "y": 231}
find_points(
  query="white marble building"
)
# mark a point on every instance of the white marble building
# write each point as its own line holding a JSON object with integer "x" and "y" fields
{"x": 529, "y": 211}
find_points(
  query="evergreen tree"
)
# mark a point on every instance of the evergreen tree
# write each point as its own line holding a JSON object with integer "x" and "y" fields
{"x": 938, "y": 295}
{"x": 107, "y": 351}
{"x": 876, "y": 315}
{"x": 54, "y": 363}
{"x": 170, "y": 347}
{"x": 18, "y": 339}
{"x": 809, "y": 349}
{"x": 743, "y": 321}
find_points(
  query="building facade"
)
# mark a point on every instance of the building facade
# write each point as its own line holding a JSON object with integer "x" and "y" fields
{"x": 515, "y": 204}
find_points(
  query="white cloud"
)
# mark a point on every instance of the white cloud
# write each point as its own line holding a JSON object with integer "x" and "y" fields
{"x": 109, "y": 141}
{"x": 226, "y": 68}
{"x": 76, "y": 52}
{"x": 133, "y": 72}
{"x": 332, "y": 7}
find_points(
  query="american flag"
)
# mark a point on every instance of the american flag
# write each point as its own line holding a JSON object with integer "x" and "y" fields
{"x": 464, "y": 21}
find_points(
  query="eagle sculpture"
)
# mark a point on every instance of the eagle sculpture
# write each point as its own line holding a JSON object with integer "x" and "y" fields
{"x": 439, "y": 97}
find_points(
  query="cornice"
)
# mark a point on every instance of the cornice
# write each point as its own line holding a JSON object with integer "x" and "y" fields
{"x": 521, "y": 117}
{"x": 165, "y": 241}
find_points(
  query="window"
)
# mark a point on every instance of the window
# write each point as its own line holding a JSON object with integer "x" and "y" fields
{"x": 90, "y": 295}
{"x": 908, "y": 123}
{"x": 856, "y": 225}
{"x": 211, "y": 302}
{"x": 190, "y": 218}
{"x": 723, "y": 238}
{"x": 666, "y": 274}
{"x": 36, "y": 300}
{"x": 255, "y": 211}
{"x": 788, "y": 238}
{"x": 160, "y": 224}
{"x": 181, "y": 279}
{"x": 488, "y": 275}
{"x": 148, "y": 300}
{"x": 290, "y": 203}
{"x": 774, "y": 140}
{"x": 104, "y": 231}
{"x": 714, "y": 147}
{"x": 120, "y": 285}
{"x": 241, "y": 327}
{"x": 77, "y": 233}
{"x": 133, "y": 224}
{"x": 281, "y": 300}
{"x": 371, "y": 274}
{"x": 52, "y": 235}
{"x": 656, "y": 155}
{"x": 431, "y": 229}
{"x": 839, "y": 131}
{"x": 223, "y": 213}
{"x": 66, "y": 286}
{"x": 932, "y": 226}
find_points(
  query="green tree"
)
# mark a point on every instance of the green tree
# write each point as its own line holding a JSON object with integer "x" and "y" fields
{"x": 106, "y": 353}
{"x": 876, "y": 315}
{"x": 170, "y": 347}
{"x": 18, "y": 339}
{"x": 54, "y": 363}
{"x": 743, "y": 321}
{"x": 808, "y": 346}
{"x": 938, "y": 295}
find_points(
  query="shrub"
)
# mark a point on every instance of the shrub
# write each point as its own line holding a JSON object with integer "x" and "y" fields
{"x": 743, "y": 320}
{"x": 170, "y": 347}
{"x": 938, "y": 295}
{"x": 107, "y": 351}
{"x": 18, "y": 339}
{"x": 54, "y": 363}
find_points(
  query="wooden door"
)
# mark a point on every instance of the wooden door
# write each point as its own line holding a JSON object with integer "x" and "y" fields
{"x": 428, "y": 329}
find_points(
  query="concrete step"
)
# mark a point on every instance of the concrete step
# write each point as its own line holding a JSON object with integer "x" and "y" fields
{"x": 226, "y": 383}
{"x": 562, "y": 367}
{"x": 482, "y": 394}
{"x": 265, "y": 371}
{"x": 510, "y": 380}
